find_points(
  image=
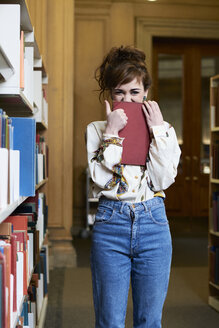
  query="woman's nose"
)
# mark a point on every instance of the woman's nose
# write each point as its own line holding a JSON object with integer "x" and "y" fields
{"x": 127, "y": 98}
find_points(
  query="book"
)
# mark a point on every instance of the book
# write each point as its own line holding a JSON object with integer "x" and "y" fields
{"x": 24, "y": 141}
{"x": 136, "y": 134}
{"x": 22, "y": 60}
{"x": 3, "y": 177}
{"x": 3, "y": 290}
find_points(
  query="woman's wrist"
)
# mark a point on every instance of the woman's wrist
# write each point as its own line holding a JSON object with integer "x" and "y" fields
{"x": 111, "y": 131}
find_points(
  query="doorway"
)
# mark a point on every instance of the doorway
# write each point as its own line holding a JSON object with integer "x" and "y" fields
{"x": 181, "y": 77}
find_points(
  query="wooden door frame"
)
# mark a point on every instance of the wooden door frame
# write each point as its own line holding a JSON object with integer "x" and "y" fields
{"x": 148, "y": 28}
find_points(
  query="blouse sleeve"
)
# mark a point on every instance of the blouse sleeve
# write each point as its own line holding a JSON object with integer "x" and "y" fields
{"x": 164, "y": 155}
{"x": 104, "y": 154}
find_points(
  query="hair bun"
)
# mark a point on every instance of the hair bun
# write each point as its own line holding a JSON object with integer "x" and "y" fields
{"x": 128, "y": 54}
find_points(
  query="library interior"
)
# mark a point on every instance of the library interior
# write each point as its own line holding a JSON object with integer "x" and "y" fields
{"x": 49, "y": 51}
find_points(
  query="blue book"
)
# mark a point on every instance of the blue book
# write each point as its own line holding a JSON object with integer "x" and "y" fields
{"x": 4, "y": 116}
{"x": 24, "y": 136}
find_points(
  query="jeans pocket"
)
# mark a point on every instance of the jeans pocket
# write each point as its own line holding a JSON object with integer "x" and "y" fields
{"x": 104, "y": 214}
{"x": 158, "y": 215}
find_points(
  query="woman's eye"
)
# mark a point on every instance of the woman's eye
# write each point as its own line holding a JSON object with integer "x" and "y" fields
{"x": 118, "y": 92}
{"x": 135, "y": 92}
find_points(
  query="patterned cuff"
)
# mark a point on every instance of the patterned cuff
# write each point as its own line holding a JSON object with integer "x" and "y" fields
{"x": 110, "y": 138}
{"x": 105, "y": 143}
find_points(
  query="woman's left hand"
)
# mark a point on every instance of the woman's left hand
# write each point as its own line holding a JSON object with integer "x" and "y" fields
{"x": 152, "y": 113}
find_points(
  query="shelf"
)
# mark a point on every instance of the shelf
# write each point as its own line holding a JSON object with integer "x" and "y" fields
{"x": 25, "y": 16}
{"x": 215, "y": 233}
{"x": 41, "y": 126}
{"x": 214, "y": 181}
{"x": 215, "y": 129}
{"x": 214, "y": 285}
{"x": 5, "y": 212}
{"x": 6, "y": 70}
{"x": 39, "y": 185}
{"x": 214, "y": 302}
{"x": 93, "y": 200}
{"x": 16, "y": 104}
{"x": 43, "y": 313}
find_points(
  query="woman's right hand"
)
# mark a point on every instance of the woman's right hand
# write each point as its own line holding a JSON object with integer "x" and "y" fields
{"x": 116, "y": 120}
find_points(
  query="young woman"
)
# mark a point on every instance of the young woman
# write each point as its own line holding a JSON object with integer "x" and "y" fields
{"x": 131, "y": 238}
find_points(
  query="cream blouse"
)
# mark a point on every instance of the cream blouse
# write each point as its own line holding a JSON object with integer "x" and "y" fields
{"x": 131, "y": 183}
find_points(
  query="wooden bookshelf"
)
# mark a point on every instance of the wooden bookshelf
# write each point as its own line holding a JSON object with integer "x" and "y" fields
{"x": 5, "y": 212}
{"x": 6, "y": 68}
{"x": 22, "y": 102}
{"x": 213, "y": 299}
{"x": 42, "y": 183}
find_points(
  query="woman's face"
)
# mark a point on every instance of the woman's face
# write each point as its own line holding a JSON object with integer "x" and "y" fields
{"x": 130, "y": 92}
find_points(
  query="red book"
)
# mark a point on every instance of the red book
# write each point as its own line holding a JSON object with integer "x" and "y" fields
{"x": 136, "y": 133}
{"x": 3, "y": 300}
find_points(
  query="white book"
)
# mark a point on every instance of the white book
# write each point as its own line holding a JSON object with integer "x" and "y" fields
{"x": 212, "y": 117}
{"x": 40, "y": 168}
{"x": 10, "y": 41}
{"x": 40, "y": 295}
{"x": 28, "y": 74}
{"x": 45, "y": 111}
{"x": 14, "y": 168}
{"x": 30, "y": 253}
{"x": 33, "y": 310}
{"x": 20, "y": 273}
{"x": 16, "y": 154}
{"x": 38, "y": 94}
{"x": 3, "y": 177}
{"x": 31, "y": 320}
{"x": 47, "y": 261}
{"x": 40, "y": 227}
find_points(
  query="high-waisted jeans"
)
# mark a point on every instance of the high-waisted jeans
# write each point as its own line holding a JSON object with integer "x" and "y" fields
{"x": 130, "y": 241}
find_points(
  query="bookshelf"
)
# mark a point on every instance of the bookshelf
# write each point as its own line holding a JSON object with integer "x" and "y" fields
{"x": 23, "y": 84}
{"x": 213, "y": 299}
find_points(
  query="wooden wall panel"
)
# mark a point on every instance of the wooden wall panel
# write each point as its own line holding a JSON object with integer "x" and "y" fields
{"x": 90, "y": 47}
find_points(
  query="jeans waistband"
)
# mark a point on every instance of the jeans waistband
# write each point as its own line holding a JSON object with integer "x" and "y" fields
{"x": 120, "y": 205}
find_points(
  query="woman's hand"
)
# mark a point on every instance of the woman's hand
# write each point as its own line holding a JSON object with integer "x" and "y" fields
{"x": 152, "y": 113}
{"x": 116, "y": 120}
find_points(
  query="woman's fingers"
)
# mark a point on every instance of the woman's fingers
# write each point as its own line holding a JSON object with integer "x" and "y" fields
{"x": 108, "y": 109}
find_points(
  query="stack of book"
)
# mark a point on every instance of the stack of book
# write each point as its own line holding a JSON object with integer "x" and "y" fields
{"x": 23, "y": 261}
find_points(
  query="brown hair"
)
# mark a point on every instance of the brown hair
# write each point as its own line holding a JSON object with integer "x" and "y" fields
{"x": 120, "y": 66}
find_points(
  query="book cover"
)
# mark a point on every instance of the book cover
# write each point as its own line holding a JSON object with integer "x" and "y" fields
{"x": 24, "y": 141}
{"x": 3, "y": 293}
{"x": 136, "y": 133}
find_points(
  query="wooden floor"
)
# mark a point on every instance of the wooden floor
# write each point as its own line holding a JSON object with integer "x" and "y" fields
{"x": 70, "y": 290}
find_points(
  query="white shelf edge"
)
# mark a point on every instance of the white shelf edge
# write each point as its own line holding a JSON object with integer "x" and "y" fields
{"x": 93, "y": 200}
{"x": 5, "y": 212}
{"x": 41, "y": 184}
{"x": 215, "y": 129}
{"x": 214, "y": 180}
{"x": 43, "y": 312}
{"x": 43, "y": 124}
{"x": 214, "y": 302}
{"x": 214, "y": 285}
{"x": 215, "y": 233}
{"x": 6, "y": 64}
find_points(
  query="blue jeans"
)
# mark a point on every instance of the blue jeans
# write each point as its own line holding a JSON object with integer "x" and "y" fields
{"x": 130, "y": 241}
